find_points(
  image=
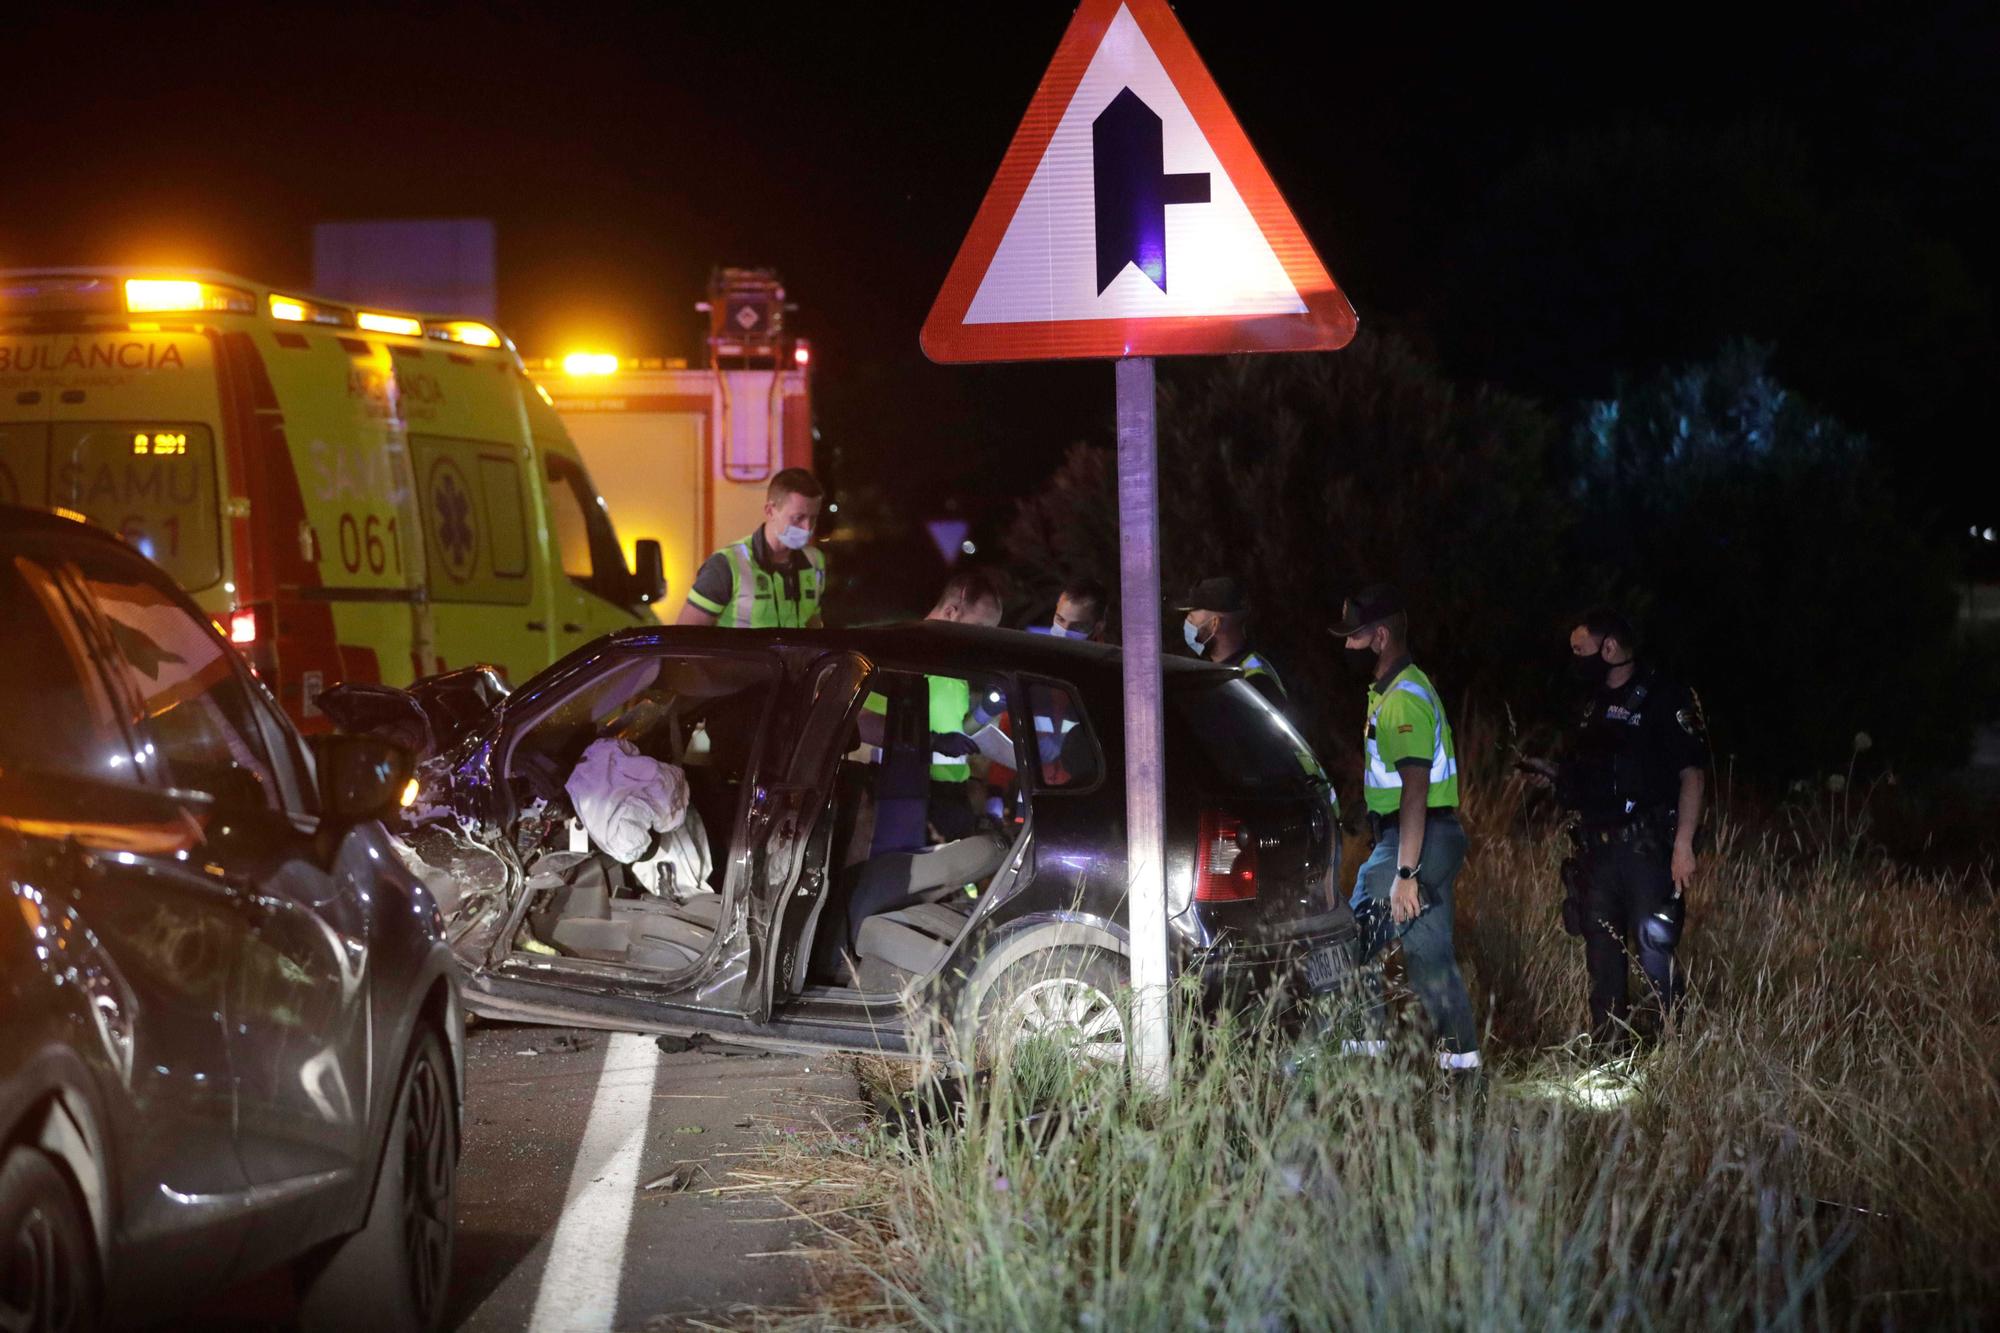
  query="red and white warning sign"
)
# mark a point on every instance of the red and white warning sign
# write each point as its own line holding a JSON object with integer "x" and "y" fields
{"x": 1131, "y": 217}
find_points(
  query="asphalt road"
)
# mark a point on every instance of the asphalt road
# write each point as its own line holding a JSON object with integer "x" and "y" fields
{"x": 557, "y": 1231}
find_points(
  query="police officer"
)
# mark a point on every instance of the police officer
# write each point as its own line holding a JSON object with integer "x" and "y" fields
{"x": 1217, "y": 629}
{"x": 775, "y": 577}
{"x": 1080, "y": 611}
{"x": 1402, "y": 892}
{"x": 1634, "y": 776}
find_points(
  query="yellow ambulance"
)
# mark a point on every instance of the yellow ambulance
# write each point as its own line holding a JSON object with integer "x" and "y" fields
{"x": 354, "y": 494}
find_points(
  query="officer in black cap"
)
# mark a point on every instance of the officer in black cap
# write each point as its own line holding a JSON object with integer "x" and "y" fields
{"x": 1634, "y": 776}
{"x": 1217, "y": 629}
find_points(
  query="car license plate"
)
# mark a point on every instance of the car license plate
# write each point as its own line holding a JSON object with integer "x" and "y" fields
{"x": 1326, "y": 967}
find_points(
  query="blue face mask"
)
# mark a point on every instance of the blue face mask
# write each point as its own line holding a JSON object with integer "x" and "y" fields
{"x": 1195, "y": 643}
{"x": 795, "y": 538}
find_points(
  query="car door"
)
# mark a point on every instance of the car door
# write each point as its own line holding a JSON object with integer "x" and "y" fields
{"x": 136, "y": 863}
{"x": 794, "y": 882}
{"x": 295, "y": 1000}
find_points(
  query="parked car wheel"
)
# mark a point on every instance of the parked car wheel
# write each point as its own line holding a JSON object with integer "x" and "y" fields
{"x": 391, "y": 1276}
{"x": 47, "y": 1267}
{"x": 1073, "y": 997}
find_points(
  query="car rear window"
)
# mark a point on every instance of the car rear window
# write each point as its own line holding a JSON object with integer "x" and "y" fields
{"x": 1245, "y": 744}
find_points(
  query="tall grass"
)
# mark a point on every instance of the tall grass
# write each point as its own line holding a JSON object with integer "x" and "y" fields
{"x": 1816, "y": 1146}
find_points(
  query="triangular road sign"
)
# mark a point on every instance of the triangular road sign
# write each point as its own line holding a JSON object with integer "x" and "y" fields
{"x": 1131, "y": 217}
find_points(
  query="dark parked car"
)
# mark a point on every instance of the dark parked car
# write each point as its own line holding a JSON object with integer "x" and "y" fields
{"x": 824, "y": 887}
{"x": 229, "y": 1029}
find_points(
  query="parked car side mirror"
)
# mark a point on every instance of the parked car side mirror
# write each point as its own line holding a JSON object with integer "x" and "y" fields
{"x": 360, "y": 777}
{"x": 650, "y": 581}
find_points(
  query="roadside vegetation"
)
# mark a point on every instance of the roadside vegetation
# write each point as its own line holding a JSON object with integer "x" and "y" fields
{"x": 1814, "y": 1148}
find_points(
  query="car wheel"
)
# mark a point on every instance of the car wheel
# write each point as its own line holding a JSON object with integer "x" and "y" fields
{"x": 47, "y": 1264}
{"x": 1072, "y": 997}
{"x": 391, "y": 1276}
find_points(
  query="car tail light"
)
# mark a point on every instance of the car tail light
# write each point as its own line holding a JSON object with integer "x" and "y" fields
{"x": 252, "y": 633}
{"x": 1225, "y": 862}
{"x": 243, "y": 627}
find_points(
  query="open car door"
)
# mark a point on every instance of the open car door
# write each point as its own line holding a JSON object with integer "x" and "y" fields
{"x": 793, "y": 884}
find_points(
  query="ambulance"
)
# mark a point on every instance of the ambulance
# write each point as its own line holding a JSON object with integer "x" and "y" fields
{"x": 353, "y": 494}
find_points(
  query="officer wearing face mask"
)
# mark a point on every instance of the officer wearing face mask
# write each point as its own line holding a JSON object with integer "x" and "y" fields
{"x": 1217, "y": 629}
{"x": 1079, "y": 611}
{"x": 1402, "y": 893}
{"x": 775, "y": 577}
{"x": 1634, "y": 777}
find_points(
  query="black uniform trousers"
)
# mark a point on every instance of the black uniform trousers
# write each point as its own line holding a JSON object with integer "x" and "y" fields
{"x": 1629, "y": 907}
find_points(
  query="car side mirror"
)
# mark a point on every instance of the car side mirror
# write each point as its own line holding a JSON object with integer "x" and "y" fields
{"x": 360, "y": 777}
{"x": 650, "y": 580}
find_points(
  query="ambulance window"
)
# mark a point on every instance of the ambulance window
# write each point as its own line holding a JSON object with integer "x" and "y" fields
{"x": 152, "y": 483}
{"x": 194, "y": 709}
{"x": 590, "y": 553}
{"x": 572, "y": 524}
{"x": 501, "y": 478}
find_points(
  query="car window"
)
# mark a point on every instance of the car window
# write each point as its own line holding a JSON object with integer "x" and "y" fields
{"x": 60, "y": 716}
{"x": 193, "y": 707}
{"x": 1245, "y": 744}
{"x": 1067, "y": 757}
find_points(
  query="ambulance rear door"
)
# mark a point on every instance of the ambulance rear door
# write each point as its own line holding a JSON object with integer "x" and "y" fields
{"x": 133, "y": 444}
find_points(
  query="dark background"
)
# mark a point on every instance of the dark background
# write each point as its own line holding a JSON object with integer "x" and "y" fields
{"x": 1542, "y": 195}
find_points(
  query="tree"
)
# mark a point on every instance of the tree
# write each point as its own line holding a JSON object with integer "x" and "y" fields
{"x": 1307, "y": 476}
{"x": 1759, "y": 541}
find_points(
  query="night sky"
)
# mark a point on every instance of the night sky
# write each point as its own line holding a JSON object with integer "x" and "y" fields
{"x": 624, "y": 151}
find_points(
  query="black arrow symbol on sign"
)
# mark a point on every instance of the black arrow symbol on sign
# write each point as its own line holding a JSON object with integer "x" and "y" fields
{"x": 1133, "y": 189}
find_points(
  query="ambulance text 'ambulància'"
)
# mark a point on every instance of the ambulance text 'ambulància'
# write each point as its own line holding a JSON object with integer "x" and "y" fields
{"x": 354, "y": 495}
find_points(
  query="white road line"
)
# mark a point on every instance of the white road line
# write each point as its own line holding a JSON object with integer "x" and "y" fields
{"x": 579, "y": 1291}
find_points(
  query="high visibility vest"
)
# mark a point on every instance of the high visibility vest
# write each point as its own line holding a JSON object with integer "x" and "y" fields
{"x": 758, "y": 597}
{"x": 1254, "y": 665}
{"x": 1382, "y": 784}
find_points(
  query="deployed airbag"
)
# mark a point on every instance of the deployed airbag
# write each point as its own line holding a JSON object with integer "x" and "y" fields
{"x": 624, "y": 798}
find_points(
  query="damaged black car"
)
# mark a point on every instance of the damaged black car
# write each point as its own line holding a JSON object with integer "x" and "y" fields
{"x": 860, "y": 839}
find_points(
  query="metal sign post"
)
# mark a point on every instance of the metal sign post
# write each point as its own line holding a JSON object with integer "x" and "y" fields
{"x": 1145, "y": 756}
{"x": 1131, "y": 219}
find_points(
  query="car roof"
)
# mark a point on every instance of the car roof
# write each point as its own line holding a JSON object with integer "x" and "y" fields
{"x": 941, "y": 646}
{"x": 20, "y": 518}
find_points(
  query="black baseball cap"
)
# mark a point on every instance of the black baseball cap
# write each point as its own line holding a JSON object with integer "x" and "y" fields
{"x": 1371, "y": 606}
{"x": 1223, "y": 594}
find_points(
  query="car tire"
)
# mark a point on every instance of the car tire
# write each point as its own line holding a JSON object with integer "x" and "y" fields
{"x": 48, "y": 1264}
{"x": 393, "y": 1274}
{"x": 1075, "y": 995}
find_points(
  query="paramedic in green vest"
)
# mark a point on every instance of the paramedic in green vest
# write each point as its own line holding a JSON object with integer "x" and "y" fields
{"x": 775, "y": 577}
{"x": 1217, "y": 630}
{"x": 1402, "y": 893}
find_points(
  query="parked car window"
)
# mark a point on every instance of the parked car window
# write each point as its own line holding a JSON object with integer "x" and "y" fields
{"x": 1066, "y": 753}
{"x": 1245, "y": 744}
{"x": 194, "y": 708}
{"x": 60, "y": 717}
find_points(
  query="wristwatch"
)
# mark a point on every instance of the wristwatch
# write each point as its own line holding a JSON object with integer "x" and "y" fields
{"x": 1406, "y": 872}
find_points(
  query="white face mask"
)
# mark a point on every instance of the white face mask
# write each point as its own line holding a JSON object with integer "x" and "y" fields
{"x": 1193, "y": 636}
{"x": 795, "y": 538}
{"x": 1063, "y": 633}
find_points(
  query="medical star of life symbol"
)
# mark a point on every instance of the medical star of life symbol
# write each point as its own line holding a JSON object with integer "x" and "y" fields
{"x": 453, "y": 502}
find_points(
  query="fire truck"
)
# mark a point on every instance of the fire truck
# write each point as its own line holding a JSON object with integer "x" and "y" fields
{"x": 683, "y": 454}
